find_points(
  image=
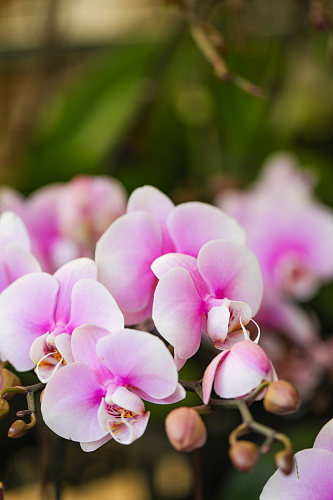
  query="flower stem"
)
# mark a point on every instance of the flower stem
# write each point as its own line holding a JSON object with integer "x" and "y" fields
{"x": 198, "y": 490}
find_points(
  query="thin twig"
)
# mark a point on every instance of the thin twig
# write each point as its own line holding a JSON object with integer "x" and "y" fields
{"x": 220, "y": 68}
{"x": 209, "y": 47}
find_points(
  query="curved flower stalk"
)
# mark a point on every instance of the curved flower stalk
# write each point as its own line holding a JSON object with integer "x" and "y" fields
{"x": 65, "y": 220}
{"x": 312, "y": 473}
{"x": 15, "y": 257}
{"x": 216, "y": 293}
{"x": 99, "y": 396}
{"x": 39, "y": 312}
{"x": 152, "y": 227}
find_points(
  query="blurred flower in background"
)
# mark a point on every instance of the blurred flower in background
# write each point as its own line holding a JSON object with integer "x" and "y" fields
{"x": 292, "y": 235}
{"x": 66, "y": 220}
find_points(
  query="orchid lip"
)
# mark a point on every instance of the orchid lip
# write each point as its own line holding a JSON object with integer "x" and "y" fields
{"x": 113, "y": 428}
{"x": 44, "y": 380}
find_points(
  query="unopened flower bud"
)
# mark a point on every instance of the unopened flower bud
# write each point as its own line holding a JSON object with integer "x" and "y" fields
{"x": 8, "y": 379}
{"x": 284, "y": 460}
{"x": 244, "y": 455}
{"x": 17, "y": 429}
{"x": 281, "y": 398}
{"x": 4, "y": 408}
{"x": 185, "y": 429}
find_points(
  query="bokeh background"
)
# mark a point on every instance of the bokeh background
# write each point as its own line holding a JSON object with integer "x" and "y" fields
{"x": 119, "y": 87}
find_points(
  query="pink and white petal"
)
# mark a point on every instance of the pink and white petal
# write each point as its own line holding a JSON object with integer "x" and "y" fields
{"x": 209, "y": 375}
{"x": 84, "y": 341}
{"x": 232, "y": 271}
{"x": 324, "y": 440}
{"x": 126, "y": 399}
{"x": 311, "y": 478}
{"x": 218, "y": 322}
{"x": 178, "y": 395}
{"x": 67, "y": 276}
{"x": 13, "y": 231}
{"x": 19, "y": 262}
{"x": 139, "y": 359}
{"x": 169, "y": 261}
{"x": 39, "y": 348}
{"x": 94, "y": 445}
{"x": 92, "y": 303}
{"x": 152, "y": 201}
{"x": 26, "y": 312}
{"x": 124, "y": 255}
{"x": 177, "y": 312}
{"x": 63, "y": 345}
{"x": 155, "y": 203}
{"x": 4, "y": 278}
{"x": 180, "y": 362}
{"x": 315, "y": 228}
{"x": 242, "y": 371}
{"x": 192, "y": 224}
{"x": 134, "y": 318}
{"x": 70, "y": 404}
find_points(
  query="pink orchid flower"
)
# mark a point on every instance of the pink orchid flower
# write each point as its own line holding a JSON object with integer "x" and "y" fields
{"x": 66, "y": 220}
{"x": 15, "y": 257}
{"x": 39, "y": 312}
{"x": 312, "y": 473}
{"x": 215, "y": 293}
{"x": 152, "y": 227}
{"x": 235, "y": 372}
{"x": 292, "y": 235}
{"x": 99, "y": 396}
{"x": 290, "y": 232}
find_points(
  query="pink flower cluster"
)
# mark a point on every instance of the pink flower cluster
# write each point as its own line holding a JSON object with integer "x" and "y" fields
{"x": 187, "y": 267}
{"x": 65, "y": 221}
{"x": 292, "y": 235}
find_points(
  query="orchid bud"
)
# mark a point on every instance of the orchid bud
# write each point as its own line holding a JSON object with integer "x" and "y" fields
{"x": 8, "y": 379}
{"x": 185, "y": 429}
{"x": 281, "y": 398}
{"x": 4, "y": 408}
{"x": 17, "y": 429}
{"x": 237, "y": 371}
{"x": 284, "y": 460}
{"x": 244, "y": 455}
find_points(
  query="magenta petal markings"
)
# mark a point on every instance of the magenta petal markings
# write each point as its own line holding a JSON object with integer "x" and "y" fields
{"x": 214, "y": 293}
{"x": 153, "y": 227}
{"x": 39, "y": 312}
{"x": 99, "y": 396}
{"x": 290, "y": 232}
